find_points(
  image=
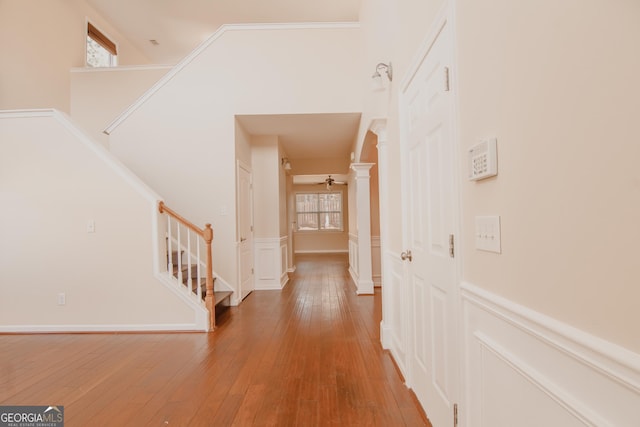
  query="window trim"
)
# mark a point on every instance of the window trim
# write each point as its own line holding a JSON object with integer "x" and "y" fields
{"x": 104, "y": 41}
{"x": 99, "y": 37}
{"x": 321, "y": 230}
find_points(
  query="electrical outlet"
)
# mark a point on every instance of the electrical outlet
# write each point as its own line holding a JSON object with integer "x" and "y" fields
{"x": 62, "y": 298}
{"x": 91, "y": 226}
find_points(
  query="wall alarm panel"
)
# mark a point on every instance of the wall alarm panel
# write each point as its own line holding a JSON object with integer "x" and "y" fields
{"x": 483, "y": 160}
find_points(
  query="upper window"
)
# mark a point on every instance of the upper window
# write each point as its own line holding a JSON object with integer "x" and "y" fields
{"x": 319, "y": 211}
{"x": 101, "y": 52}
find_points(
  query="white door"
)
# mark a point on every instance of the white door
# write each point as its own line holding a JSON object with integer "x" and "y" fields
{"x": 245, "y": 231}
{"x": 430, "y": 217}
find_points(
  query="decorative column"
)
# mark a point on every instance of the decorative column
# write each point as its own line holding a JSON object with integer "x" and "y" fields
{"x": 379, "y": 127}
{"x": 363, "y": 225}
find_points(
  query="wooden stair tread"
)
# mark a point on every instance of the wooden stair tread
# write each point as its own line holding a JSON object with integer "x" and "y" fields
{"x": 221, "y": 296}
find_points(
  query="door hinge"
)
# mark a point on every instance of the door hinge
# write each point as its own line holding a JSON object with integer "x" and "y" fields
{"x": 452, "y": 252}
{"x": 251, "y": 228}
{"x": 252, "y": 271}
{"x": 455, "y": 415}
{"x": 446, "y": 79}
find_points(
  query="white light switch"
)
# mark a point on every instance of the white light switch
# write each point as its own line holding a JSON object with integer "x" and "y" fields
{"x": 91, "y": 226}
{"x": 488, "y": 233}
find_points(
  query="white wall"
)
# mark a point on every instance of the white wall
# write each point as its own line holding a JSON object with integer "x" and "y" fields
{"x": 52, "y": 182}
{"x": 40, "y": 41}
{"x": 265, "y": 164}
{"x": 99, "y": 95}
{"x": 538, "y": 76}
{"x": 539, "y": 79}
{"x": 187, "y": 126}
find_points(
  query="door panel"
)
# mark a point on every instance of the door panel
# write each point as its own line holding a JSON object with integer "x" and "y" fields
{"x": 245, "y": 230}
{"x": 428, "y": 150}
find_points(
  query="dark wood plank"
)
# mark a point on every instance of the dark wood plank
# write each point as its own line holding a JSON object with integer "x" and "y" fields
{"x": 307, "y": 355}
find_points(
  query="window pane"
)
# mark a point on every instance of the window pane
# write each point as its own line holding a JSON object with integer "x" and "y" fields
{"x": 306, "y": 202}
{"x": 330, "y": 221}
{"x": 97, "y": 56}
{"x": 330, "y": 202}
{"x": 319, "y": 211}
{"x": 308, "y": 221}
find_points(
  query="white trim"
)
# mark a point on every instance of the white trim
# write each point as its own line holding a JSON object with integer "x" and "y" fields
{"x": 320, "y": 251}
{"x": 98, "y": 149}
{"x": 129, "y": 327}
{"x": 591, "y": 380}
{"x": 204, "y": 45}
{"x": 121, "y": 68}
{"x": 569, "y": 402}
{"x": 268, "y": 265}
{"x": 614, "y": 361}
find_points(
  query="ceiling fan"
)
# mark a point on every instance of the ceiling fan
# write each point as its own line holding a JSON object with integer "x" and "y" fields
{"x": 329, "y": 182}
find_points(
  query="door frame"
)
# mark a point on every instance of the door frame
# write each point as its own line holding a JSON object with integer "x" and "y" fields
{"x": 240, "y": 165}
{"x": 444, "y": 18}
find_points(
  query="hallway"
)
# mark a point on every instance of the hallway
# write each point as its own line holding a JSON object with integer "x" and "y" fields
{"x": 308, "y": 355}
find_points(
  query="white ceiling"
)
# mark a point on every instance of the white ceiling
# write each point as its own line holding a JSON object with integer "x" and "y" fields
{"x": 307, "y": 136}
{"x": 181, "y": 25}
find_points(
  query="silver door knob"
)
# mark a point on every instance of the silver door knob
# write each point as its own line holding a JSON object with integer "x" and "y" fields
{"x": 406, "y": 256}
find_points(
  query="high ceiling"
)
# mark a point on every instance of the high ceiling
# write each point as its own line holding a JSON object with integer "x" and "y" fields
{"x": 179, "y": 26}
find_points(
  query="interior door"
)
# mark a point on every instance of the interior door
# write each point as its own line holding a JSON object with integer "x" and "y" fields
{"x": 245, "y": 231}
{"x": 430, "y": 217}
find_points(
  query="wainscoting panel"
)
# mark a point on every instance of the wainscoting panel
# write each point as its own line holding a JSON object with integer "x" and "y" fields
{"x": 524, "y": 369}
{"x": 268, "y": 263}
{"x": 284, "y": 265}
{"x": 394, "y": 324}
{"x": 354, "y": 268}
{"x": 376, "y": 268}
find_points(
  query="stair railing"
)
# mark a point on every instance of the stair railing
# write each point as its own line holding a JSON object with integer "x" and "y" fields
{"x": 207, "y": 235}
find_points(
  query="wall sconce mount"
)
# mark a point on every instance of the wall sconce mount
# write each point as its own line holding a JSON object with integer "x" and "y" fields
{"x": 383, "y": 68}
{"x": 286, "y": 164}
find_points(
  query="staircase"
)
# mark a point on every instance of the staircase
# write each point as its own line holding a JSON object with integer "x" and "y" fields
{"x": 192, "y": 273}
{"x": 185, "y": 273}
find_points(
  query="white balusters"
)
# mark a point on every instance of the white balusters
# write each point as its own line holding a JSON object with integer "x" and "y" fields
{"x": 199, "y": 273}
{"x": 189, "y": 272}
{"x": 178, "y": 237}
{"x": 169, "y": 247}
{"x": 188, "y": 245}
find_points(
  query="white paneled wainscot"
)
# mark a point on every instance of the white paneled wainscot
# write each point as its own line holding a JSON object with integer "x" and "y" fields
{"x": 271, "y": 263}
{"x": 525, "y": 369}
{"x": 393, "y": 329}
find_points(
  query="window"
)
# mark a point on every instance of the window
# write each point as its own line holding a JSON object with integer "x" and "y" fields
{"x": 319, "y": 211}
{"x": 101, "y": 52}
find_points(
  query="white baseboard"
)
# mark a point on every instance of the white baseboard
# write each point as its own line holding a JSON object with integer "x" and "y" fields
{"x": 328, "y": 251}
{"x": 173, "y": 327}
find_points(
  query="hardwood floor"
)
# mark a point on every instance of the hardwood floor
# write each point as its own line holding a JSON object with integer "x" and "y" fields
{"x": 305, "y": 356}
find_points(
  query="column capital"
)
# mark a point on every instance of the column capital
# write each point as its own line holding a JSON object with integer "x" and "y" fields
{"x": 362, "y": 169}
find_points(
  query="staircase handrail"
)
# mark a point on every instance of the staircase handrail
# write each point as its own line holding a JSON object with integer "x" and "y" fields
{"x": 207, "y": 236}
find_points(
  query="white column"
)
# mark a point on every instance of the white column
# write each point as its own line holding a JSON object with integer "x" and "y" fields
{"x": 379, "y": 127}
{"x": 363, "y": 221}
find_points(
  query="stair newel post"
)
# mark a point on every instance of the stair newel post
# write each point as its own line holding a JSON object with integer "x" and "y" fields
{"x": 209, "y": 299}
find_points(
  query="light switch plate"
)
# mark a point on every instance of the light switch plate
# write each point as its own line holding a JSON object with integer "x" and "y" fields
{"x": 488, "y": 234}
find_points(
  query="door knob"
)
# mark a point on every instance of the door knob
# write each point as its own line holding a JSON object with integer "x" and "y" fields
{"x": 406, "y": 256}
{"x": 242, "y": 239}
